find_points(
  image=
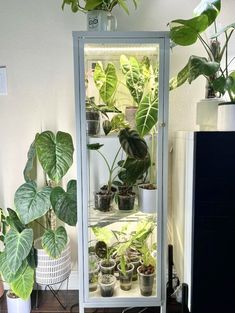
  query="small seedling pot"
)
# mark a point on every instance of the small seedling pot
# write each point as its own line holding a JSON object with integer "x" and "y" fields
{"x": 145, "y": 282}
{"x": 107, "y": 284}
{"x": 126, "y": 279}
{"x": 107, "y": 267}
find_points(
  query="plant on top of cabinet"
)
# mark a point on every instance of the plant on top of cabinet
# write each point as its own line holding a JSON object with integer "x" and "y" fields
{"x": 135, "y": 147}
{"x": 43, "y": 204}
{"x": 142, "y": 82}
{"x": 105, "y": 5}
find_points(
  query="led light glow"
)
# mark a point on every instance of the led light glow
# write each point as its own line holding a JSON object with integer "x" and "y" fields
{"x": 116, "y": 49}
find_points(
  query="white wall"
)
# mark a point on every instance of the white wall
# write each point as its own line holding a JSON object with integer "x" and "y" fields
{"x": 36, "y": 47}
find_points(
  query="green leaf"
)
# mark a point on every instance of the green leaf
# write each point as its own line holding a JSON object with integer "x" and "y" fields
{"x": 122, "y": 4}
{"x": 219, "y": 84}
{"x": 94, "y": 146}
{"x": 92, "y": 4}
{"x": 6, "y": 271}
{"x": 23, "y": 285}
{"x": 185, "y": 32}
{"x": 180, "y": 79}
{"x": 55, "y": 153}
{"x": 200, "y": 66}
{"x": 32, "y": 258}
{"x": 195, "y": 67}
{"x": 30, "y": 167}
{"x": 131, "y": 142}
{"x": 54, "y": 242}
{"x": 18, "y": 246}
{"x": 102, "y": 234}
{"x": 211, "y": 8}
{"x": 147, "y": 115}
{"x": 107, "y": 126}
{"x": 65, "y": 203}
{"x": 232, "y": 87}
{"x": 135, "y": 80}
{"x": 133, "y": 170}
{"x": 13, "y": 220}
{"x": 32, "y": 203}
{"x": 106, "y": 81}
{"x": 118, "y": 122}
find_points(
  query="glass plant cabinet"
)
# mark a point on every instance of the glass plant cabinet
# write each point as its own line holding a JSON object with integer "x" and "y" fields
{"x": 121, "y": 91}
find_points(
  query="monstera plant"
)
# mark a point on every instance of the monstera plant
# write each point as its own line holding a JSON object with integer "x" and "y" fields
{"x": 39, "y": 204}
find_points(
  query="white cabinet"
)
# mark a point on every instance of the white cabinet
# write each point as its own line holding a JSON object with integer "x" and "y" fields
{"x": 114, "y": 71}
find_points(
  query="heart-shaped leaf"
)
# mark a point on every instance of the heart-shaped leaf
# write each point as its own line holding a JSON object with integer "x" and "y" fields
{"x": 18, "y": 246}
{"x": 23, "y": 285}
{"x": 106, "y": 81}
{"x": 65, "y": 203}
{"x": 55, "y": 153}
{"x": 32, "y": 203}
{"x": 6, "y": 271}
{"x": 135, "y": 80}
{"x": 54, "y": 242}
{"x": 147, "y": 115}
{"x": 30, "y": 167}
{"x": 14, "y": 221}
{"x": 131, "y": 142}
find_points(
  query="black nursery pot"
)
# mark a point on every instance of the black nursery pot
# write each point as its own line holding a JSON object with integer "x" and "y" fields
{"x": 92, "y": 123}
{"x": 103, "y": 201}
{"x": 126, "y": 202}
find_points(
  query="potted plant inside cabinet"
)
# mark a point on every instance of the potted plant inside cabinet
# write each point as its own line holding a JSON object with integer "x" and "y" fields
{"x": 146, "y": 271}
{"x": 135, "y": 147}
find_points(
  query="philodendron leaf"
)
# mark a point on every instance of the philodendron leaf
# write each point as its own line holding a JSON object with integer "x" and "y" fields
{"x": 135, "y": 80}
{"x": 195, "y": 67}
{"x": 92, "y": 4}
{"x": 210, "y": 8}
{"x": 23, "y": 285}
{"x": 55, "y": 153}
{"x": 131, "y": 142}
{"x": 6, "y": 271}
{"x": 54, "y": 242}
{"x": 18, "y": 246}
{"x": 94, "y": 146}
{"x": 65, "y": 203}
{"x": 185, "y": 32}
{"x": 30, "y": 167}
{"x": 106, "y": 81}
{"x": 32, "y": 203}
{"x": 147, "y": 115}
{"x": 14, "y": 221}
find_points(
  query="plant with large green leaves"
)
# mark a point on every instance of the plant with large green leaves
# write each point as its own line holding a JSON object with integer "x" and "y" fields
{"x": 54, "y": 152}
{"x": 135, "y": 148}
{"x": 187, "y": 32}
{"x": 89, "y": 5}
{"x": 141, "y": 79}
{"x": 16, "y": 263}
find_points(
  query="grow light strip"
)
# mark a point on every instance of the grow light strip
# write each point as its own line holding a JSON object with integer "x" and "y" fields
{"x": 115, "y": 49}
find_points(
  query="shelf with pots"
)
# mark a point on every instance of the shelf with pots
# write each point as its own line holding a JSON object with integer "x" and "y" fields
{"x": 118, "y": 71}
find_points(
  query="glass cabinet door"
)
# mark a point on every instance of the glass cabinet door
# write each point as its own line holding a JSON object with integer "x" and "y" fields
{"x": 120, "y": 118}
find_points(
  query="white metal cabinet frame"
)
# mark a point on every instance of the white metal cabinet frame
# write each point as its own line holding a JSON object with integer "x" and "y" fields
{"x": 79, "y": 40}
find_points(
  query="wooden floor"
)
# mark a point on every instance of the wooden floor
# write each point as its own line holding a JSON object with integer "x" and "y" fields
{"x": 48, "y": 304}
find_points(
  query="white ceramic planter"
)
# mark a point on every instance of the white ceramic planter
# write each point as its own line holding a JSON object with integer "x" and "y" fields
{"x": 226, "y": 117}
{"x": 147, "y": 199}
{"x": 51, "y": 271}
{"x": 17, "y": 305}
{"x": 206, "y": 114}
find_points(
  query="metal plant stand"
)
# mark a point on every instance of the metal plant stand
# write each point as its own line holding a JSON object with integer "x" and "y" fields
{"x": 55, "y": 293}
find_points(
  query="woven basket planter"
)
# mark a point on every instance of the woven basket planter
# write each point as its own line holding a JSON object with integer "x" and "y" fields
{"x": 51, "y": 271}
